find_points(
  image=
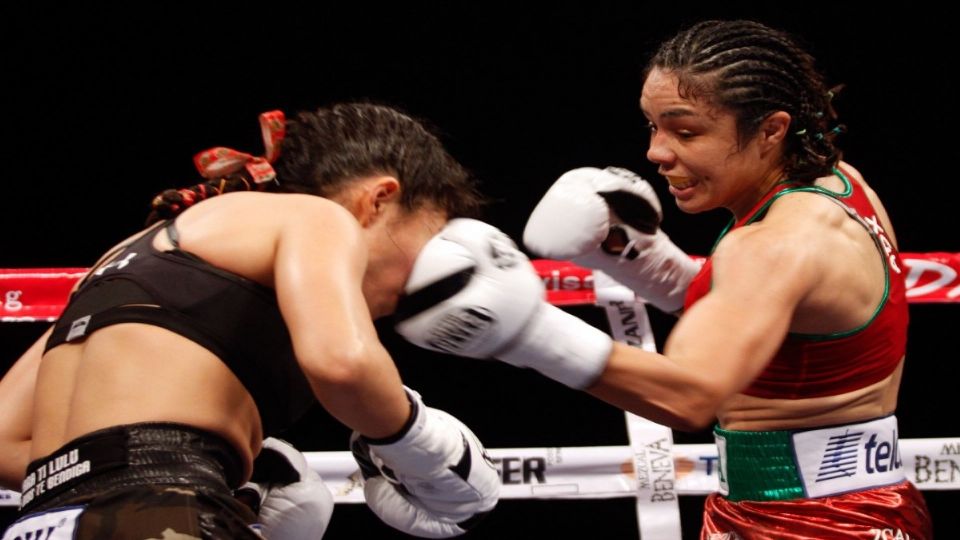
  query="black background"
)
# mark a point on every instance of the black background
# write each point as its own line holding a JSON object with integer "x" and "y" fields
{"x": 105, "y": 107}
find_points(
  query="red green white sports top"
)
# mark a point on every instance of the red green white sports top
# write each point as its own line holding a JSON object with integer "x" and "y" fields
{"x": 814, "y": 365}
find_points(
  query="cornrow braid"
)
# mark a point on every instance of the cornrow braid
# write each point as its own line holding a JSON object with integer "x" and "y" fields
{"x": 171, "y": 202}
{"x": 754, "y": 71}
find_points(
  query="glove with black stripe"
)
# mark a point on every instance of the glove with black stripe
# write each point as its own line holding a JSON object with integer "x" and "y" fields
{"x": 609, "y": 220}
{"x": 472, "y": 293}
{"x": 289, "y": 497}
{"x": 433, "y": 479}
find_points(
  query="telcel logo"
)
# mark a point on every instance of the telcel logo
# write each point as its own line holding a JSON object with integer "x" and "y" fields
{"x": 842, "y": 456}
{"x": 882, "y": 456}
{"x": 849, "y": 458}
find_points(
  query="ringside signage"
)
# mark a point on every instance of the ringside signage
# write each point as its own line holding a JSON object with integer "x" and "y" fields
{"x": 604, "y": 472}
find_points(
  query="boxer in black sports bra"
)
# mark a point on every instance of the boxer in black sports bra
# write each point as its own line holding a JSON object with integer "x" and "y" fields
{"x": 190, "y": 342}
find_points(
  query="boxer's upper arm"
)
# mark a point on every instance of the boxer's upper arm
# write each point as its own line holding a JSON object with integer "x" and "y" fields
{"x": 318, "y": 271}
{"x": 320, "y": 262}
{"x": 720, "y": 344}
{"x": 759, "y": 278}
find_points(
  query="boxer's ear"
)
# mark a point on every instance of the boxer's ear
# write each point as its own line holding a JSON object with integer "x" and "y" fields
{"x": 773, "y": 130}
{"x": 374, "y": 197}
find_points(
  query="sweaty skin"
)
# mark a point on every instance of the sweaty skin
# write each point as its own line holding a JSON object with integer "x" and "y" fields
{"x": 335, "y": 267}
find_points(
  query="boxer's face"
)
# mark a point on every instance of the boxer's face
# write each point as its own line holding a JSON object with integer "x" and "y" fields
{"x": 696, "y": 146}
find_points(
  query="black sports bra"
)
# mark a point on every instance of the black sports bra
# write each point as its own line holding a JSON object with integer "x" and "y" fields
{"x": 235, "y": 318}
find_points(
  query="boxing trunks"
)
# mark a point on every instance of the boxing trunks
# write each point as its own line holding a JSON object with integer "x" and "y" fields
{"x": 138, "y": 481}
{"x": 838, "y": 482}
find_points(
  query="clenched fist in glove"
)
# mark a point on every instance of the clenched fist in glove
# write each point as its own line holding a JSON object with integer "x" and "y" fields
{"x": 433, "y": 479}
{"x": 473, "y": 293}
{"x": 290, "y": 499}
{"x": 609, "y": 220}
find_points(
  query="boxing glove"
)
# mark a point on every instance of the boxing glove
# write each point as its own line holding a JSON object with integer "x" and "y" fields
{"x": 609, "y": 220}
{"x": 291, "y": 500}
{"x": 433, "y": 479}
{"x": 472, "y": 293}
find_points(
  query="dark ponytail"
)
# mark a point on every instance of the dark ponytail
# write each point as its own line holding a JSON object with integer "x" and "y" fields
{"x": 324, "y": 150}
{"x": 171, "y": 202}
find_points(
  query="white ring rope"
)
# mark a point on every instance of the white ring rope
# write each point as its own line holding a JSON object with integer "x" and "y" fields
{"x": 605, "y": 472}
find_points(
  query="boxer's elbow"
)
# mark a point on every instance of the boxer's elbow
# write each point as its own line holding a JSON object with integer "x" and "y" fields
{"x": 693, "y": 418}
{"x": 695, "y": 405}
{"x": 344, "y": 367}
{"x": 689, "y": 416}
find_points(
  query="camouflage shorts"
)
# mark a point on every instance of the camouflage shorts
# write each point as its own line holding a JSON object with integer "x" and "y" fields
{"x": 142, "y": 513}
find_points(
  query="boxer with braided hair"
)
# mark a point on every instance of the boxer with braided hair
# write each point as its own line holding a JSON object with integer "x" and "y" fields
{"x": 792, "y": 334}
{"x": 755, "y": 70}
{"x": 192, "y": 341}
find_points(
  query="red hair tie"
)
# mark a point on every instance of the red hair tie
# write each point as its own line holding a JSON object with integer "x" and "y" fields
{"x": 221, "y": 161}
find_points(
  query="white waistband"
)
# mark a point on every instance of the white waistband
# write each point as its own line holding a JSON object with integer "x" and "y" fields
{"x": 851, "y": 457}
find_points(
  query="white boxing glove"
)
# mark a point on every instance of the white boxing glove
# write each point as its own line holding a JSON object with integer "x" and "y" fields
{"x": 609, "y": 220}
{"x": 291, "y": 500}
{"x": 432, "y": 480}
{"x": 473, "y": 293}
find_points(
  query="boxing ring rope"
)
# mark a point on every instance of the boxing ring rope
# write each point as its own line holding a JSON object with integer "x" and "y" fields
{"x": 651, "y": 468}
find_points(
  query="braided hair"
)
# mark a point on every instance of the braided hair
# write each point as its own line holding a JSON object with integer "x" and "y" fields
{"x": 754, "y": 71}
{"x": 326, "y": 149}
{"x": 170, "y": 202}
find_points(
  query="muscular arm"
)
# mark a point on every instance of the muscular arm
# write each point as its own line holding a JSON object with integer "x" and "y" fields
{"x": 319, "y": 267}
{"x": 724, "y": 341}
{"x": 16, "y": 402}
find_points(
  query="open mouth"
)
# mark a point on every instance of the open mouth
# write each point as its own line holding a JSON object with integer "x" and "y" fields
{"x": 680, "y": 182}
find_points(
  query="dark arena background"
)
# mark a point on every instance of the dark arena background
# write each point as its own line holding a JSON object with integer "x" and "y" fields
{"x": 105, "y": 107}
